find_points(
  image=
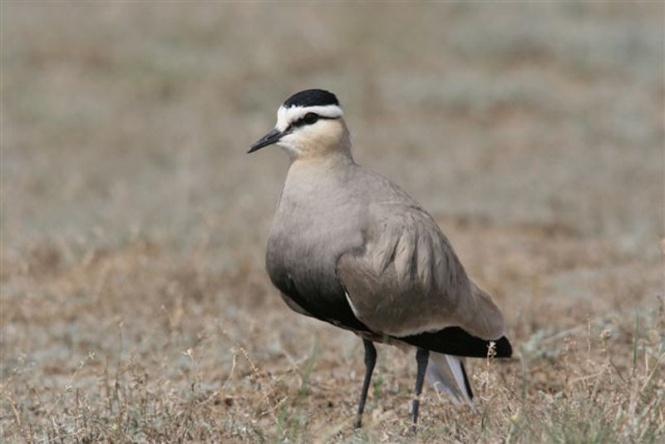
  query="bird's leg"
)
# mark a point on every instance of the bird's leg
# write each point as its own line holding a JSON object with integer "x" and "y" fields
{"x": 370, "y": 361}
{"x": 422, "y": 358}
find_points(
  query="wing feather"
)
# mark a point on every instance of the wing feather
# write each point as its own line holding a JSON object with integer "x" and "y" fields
{"x": 408, "y": 280}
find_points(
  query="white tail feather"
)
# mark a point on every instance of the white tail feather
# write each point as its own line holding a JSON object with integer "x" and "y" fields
{"x": 446, "y": 374}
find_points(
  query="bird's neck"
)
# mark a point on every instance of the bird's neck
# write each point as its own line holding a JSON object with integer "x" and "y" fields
{"x": 329, "y": 160}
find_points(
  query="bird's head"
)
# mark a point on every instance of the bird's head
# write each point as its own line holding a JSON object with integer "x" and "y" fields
{"x": 309, "y": 124}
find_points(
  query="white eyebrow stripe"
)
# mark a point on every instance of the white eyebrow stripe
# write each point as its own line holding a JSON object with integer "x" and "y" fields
{"x": 286, "y": 116}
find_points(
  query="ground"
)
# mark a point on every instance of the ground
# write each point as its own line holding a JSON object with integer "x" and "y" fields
{"x": 134, "y": 305}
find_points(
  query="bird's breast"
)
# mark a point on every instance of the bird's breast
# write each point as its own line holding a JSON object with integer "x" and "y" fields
{"x": 305, "y": 242}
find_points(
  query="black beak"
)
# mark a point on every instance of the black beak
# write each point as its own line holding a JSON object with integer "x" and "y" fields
{"x": 270, "y": 138}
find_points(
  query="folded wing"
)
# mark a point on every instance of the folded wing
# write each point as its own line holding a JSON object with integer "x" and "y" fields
{"x": 406, "y": 280}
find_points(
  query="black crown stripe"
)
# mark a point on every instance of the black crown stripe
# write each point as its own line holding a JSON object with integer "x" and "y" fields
{"x": 311, "y": 97}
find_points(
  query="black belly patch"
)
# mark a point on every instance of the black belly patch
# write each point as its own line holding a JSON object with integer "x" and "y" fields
{"x": 330, "y": 305}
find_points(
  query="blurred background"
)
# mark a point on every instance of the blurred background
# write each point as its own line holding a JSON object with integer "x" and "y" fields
{"x": 133, "y": 224}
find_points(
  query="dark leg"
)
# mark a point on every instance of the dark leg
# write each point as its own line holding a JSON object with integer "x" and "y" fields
{"x": 370, "y": 361}
{"x": 422, "y": 357}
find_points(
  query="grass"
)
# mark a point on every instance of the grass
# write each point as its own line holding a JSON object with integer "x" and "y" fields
{"x": 134, "y": 305}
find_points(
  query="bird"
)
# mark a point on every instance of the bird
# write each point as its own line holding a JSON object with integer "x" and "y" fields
{"x": 349, "y": 247}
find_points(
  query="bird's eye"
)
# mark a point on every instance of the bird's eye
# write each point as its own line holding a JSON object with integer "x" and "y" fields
{"x": 310, "y": 118}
